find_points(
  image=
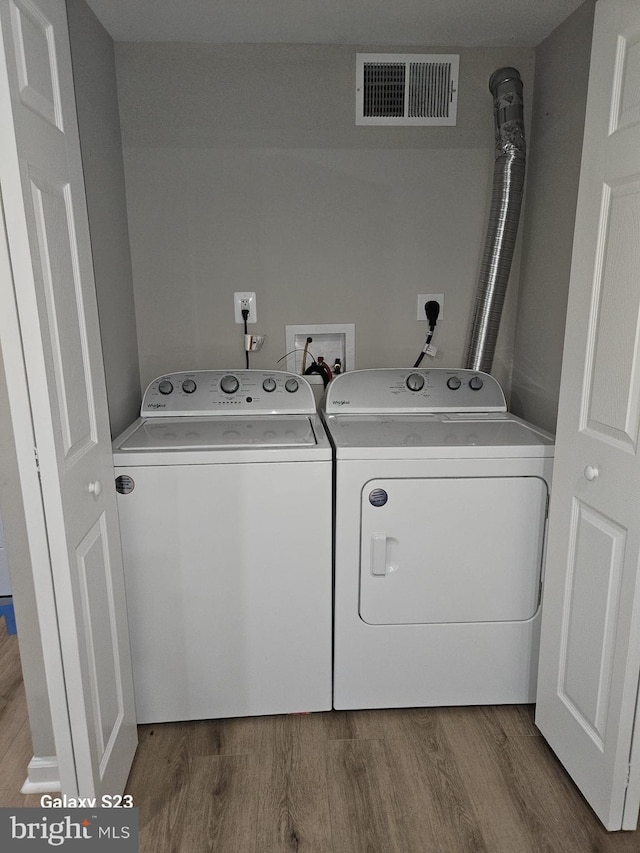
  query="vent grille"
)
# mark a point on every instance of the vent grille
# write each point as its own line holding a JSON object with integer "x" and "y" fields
{"x": 408, "y": 89}
{"x": 384, "y": 88}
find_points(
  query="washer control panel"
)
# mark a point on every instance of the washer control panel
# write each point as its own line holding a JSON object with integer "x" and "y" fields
{"x": 400, "y": 390}
{"x": 199, "y": 393}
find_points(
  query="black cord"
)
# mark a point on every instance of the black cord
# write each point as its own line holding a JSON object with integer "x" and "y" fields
{"x": 296, "y": 351}
{"x": 432, "y": 310}
{"x": 245, "y": 317}
{"x": 423, "y": 353}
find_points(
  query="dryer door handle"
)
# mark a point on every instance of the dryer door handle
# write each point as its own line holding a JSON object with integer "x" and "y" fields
{"x": 379, "y": 554}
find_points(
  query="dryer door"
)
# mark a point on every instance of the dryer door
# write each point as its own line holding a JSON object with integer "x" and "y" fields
{"x": 458, "y": 549}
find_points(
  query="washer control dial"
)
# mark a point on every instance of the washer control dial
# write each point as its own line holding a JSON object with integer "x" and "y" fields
{"x": 476, "y": 383}
{"x": 291, "y": 385}
{"x": 454, "y": 382}
{"x": 189, "y": 386}
{"x": 165, "y": 387}
{"x": 269, "y": 384}
{"x": 415, "y": 382}
{"x": 229, "y": 384}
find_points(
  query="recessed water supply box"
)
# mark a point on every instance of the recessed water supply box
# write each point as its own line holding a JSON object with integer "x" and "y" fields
{"x": 331, "y": 341}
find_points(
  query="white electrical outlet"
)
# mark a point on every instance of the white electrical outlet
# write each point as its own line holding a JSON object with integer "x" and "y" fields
{"x": 245, "y": 300}
{"x": 423, "y": 298}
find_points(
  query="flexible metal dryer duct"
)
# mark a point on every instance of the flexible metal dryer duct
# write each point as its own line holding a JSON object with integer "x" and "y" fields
{"x": 508, "y": 180}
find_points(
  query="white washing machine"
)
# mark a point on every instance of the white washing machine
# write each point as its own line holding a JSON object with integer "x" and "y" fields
{"x": 440, "y": 515}
{"x": 225, "y": 495}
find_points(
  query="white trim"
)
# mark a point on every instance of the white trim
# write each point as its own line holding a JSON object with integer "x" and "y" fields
{"x": 44, "y": 776}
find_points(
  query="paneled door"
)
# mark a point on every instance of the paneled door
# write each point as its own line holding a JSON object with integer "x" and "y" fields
{"x": 51, "y": 294}
{"x": 590, "y": 644}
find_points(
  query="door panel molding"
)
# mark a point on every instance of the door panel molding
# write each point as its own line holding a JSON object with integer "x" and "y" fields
{"x": 593, "y": 593}
{"x": 39, "y": 86}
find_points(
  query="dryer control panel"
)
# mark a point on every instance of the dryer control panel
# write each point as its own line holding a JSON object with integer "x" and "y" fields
{"x": 199, "y": 393}
{"x": 397, "y": 390}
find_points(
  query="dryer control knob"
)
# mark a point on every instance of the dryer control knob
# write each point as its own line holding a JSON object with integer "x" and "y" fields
{"x": 229, "y": 384}
{"x": 165, "y": 387}
{"x": 454, "y": 382}
{"x": 269, "y": 384}
{"x": 476, "y": 383}
{"x": 291, "y": 385}
{"x": 415, "y": 382}
{"x": 189, "y": 386}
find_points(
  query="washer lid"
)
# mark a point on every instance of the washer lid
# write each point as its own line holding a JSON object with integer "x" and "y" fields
{"x": 219, "y": 433}
{"x": 436, "y": 436}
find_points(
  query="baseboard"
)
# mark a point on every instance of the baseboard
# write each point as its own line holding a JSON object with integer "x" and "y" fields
{"x": 43, "y": 777}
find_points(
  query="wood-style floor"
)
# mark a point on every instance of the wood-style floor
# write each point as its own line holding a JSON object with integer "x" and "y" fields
{"x": 443, "y": 780}
{"x": 436, "y": 780}
{"x": 15, "y": 737}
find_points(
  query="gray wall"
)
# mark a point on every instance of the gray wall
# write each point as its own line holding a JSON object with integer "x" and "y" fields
{"x": 92, "y": 52}
{"x": 245, "y": 171}
{"x": 562, "y": 69}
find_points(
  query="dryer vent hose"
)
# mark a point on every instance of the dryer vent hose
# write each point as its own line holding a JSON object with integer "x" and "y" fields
{"x": 505, "y": 85}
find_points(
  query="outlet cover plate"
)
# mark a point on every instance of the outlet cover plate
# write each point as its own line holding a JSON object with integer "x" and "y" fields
{"x": 423, "y": 298}
{"x": 238, "y": 297}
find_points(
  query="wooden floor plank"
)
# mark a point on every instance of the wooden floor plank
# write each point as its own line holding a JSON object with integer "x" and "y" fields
{"x": 13, "y": 717}
{"x": 523, "y": 798}
{"x": 235, "y": 736}
{"x": 366, "y": 814}
{"x": 218, "y": 813}
{"x": 507, "y": 820}
{"x": 11, "y": 798}
{"x": 355, "y": 725}
{"x": 516, "y": 720}
{"x": 15, "y": 760}
{"x": 227, "y": 790}
{"x": 293, "y": 805}
{"x": 436, "y": 809}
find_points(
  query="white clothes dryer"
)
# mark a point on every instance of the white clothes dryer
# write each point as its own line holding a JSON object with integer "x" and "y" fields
{"x": 224, "y": 495}
{"x": 441, "y": 501}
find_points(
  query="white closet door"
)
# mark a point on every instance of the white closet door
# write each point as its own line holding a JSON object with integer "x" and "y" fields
{"x": 590, "y": 644}
{"x": 50, "y": 283}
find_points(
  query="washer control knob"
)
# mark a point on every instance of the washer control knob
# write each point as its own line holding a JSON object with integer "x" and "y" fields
{"x": 189, "y": 386}
{"x": 291, "y": 385}
{"x": 269, "y": 384}
{"x": 454, "y": 382}
{"x": 476, "y": 383}
{"x": 229, "y": 384}
{"x": 165, "y": 387}
{"x": 415, "y": 382}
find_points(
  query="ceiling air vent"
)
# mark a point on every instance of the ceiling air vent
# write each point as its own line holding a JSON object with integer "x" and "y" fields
{"x": 406, "y": 88}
